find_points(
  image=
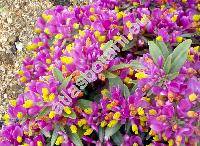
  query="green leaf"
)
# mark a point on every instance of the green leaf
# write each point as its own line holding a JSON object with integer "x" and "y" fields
{"x": 101, "y": 133}
{"x": 168, "y": 64}
{"x": 172, "y": 75}
{"x": 45, "y": 133}
{"x": 109, "y": 74}
{"x": 110, "y": 131}
{"x": 120, "y": 66}
{"x": 126, "y": 91}
{"x": 115, "y": 82}
{"x": 117, "y": 138}
{"x": 58, "y": 75}
{"x": 154, "y": 51}
{"x": 187, "y": 35}
{"x": 44, "y": 111}
{"x": 54, "y": 135}
{"x": 128, "y": 46}
{"x": 179, "y": 55}
{"x": 83, "y": 103}
{"x": 134, "y": 64}
{"x": 65, "y": 83}
{"x": 71, "y": 116}
{"x": 163, "y": 48}
{"x": 75, "y": 139}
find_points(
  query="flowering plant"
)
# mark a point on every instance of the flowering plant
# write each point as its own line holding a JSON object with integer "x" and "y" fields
{"x": 88, "y": 84}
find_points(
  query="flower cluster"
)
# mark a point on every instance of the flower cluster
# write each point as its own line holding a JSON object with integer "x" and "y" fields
{"x": 138, "y": 99}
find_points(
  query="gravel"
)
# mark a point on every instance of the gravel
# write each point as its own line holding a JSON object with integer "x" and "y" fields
{"x": 17, "y": 19}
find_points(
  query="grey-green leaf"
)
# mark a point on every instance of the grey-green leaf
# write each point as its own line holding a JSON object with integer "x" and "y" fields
{"x": 54, "y": 135}
{"x": 44, "y": 112}
{"x": 83, "y": 103}
{"x": 126, "y": 91}
{"x": 101, "y": 133}
{"x": 179, "y": 55}
{"x": 110, "y": 131}
{"x": 163, "y": 48}
{"x": 168, "y": 64}
{"x": 65, "y": 83}
{"x": 117, "y": 138}
{"x": 134, "y": 64}
{"x": 154, "y": 51}
{"x": 76, "y": 139}
{"x": 109, "y": 75}
{"x": 58, "y": 74}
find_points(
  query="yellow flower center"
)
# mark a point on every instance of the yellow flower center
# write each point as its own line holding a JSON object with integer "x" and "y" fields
{"x": 88, "y": 111}
{"x": 58, "y": 36}
{"x": 52, "y": 114}
{"x": 19, "y": 115}
{"x": 112, "y": 123}
{"x": 159, "y": 38}
{"x": 140, "y": 111}
{"x": 66, "y": 60}
{"x": 129, "y": 24}
{"x": 39, "y": 143}
{"x": 67, "y": 110}
{"x": 179, "y": 39}
{"x": 117, "y": 115}
{"x": 88, "y": 131}
{"x": 135, "y": 128}
{"x": 28, "y": 104}
{"x": 141, "y": 75}
{"x": 192, "y": 97}
{"x": 81, "y": 122}
{"x": 73, "y": 128}
{"x": 75, "y": 25}
{"x": 19, "y": 139}
{"x": 59, "y": 140}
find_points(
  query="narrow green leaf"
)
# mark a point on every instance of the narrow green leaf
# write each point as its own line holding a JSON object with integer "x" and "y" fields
{"x": 45, "y": 133}
{"x": 163, "y": 48}
{"x": 54, "y": 135}
{"x": 126, "y": 91}
{"x": 71, "y": 116}
{"x": 120, "y": 66}
{"x": 83, "y": 103}
{"x": 65, "y": 83}
{"x": 44, "y": 111}
{"x": 168, "y": 64}
{"x": 116, "y": 82}
{"x": 117, "y": 138}
{"x": 127, "y": 127}
{"x": 134, "y": 64}
{"x": 110, "y": 131}
{"x": 173, "y": 75}
{"x": 187, "y": 35}
{"x": 76, "y": 139}
{"x": 101, "y": 133}
{"x": 179, "y": 55}
{"x": 58, "y": 75}
{"x": 154, "y": 51}
{"x": 109, "y": 75}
